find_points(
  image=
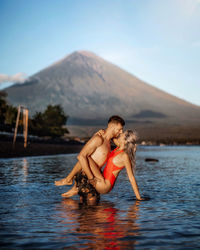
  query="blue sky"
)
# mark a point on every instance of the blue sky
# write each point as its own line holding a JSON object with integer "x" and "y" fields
{"x": 155, "y": 40}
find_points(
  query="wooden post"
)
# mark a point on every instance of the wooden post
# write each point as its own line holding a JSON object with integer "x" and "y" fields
{"x": 25, "y": 127}
{"x": 16, "y": 126}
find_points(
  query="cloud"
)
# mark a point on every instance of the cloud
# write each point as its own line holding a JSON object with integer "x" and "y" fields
{"x": 19, "y": 78}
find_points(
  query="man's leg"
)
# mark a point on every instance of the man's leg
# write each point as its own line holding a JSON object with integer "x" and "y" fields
{"x": 69, "y": 179}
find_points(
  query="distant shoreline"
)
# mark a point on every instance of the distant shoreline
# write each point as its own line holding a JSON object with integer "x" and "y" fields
{"x": 37, "y": 148}
{"x": 50, "y": 148}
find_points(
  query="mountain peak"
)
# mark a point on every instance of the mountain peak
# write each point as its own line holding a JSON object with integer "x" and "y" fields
{"x": 85, "y": 53}
{"x": 76, "y": 54}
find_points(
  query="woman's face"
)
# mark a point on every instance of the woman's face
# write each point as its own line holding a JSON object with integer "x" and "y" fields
{"x": 121, "y": 139}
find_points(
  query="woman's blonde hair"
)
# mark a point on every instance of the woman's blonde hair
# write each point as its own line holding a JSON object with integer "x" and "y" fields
{"x": 130, "y": 145}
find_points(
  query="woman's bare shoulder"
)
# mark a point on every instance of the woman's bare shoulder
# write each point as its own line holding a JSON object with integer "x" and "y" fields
{"x": 124, "y": 156}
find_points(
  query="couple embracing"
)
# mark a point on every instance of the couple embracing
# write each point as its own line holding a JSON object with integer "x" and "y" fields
{"x": 90, "y": 181}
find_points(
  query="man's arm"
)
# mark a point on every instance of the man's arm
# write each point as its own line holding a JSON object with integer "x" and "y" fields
{"x": 131, "y": 177}
{"x": 87, "y": 151}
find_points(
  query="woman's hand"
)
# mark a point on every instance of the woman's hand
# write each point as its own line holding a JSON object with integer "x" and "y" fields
{"x": 143, "y": 199}
{"x": 140, "y": 199}
{"x": 101, "y": 132}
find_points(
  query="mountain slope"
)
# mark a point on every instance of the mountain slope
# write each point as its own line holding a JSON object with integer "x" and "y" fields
{"x": 89, "y": 87}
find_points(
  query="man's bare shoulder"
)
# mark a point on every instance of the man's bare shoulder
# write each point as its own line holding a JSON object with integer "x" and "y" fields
{"x": 97, "y": 139}
{"x": 89, "y": 148}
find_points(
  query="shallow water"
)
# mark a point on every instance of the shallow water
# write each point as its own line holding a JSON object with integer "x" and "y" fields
{"x": 34, "y": 215}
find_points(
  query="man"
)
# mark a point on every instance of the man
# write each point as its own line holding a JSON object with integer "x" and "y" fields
{"x": 98, "y": 147}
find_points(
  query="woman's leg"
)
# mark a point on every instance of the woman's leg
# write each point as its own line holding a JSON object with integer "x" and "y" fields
{"x": 73, "y": 191}
{"x": 68, "y": 180}
{"x": 95, "y": 169}
{"x": 101, "y": 185}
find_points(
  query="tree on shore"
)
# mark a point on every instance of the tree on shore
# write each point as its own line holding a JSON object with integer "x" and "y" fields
{"x": 8, "y": 112}
{"x": 3, "y": 106}
{"x": 49, "y": 123}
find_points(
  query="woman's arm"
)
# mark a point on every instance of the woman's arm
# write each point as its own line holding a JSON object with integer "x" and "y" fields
{"x": 131, "y": 177}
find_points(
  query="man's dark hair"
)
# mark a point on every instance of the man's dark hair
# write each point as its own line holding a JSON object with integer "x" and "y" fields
{"x": 116, "y": 119}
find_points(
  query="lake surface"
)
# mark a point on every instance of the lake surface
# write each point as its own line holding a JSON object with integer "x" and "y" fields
{"x": 33, "y": 215}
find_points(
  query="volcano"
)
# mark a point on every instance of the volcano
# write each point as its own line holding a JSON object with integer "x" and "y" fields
{"x": 90, "y": 89}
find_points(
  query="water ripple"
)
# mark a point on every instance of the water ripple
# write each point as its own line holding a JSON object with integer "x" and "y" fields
{"x": 33, "y": 214}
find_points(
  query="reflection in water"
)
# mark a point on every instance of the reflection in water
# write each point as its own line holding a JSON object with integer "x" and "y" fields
{"x": 25, "y": 169}
{"x": 99, "y": 227}
{"x": 19, "y": 170}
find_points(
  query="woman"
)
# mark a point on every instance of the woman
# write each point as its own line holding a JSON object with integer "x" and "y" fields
{"x": 121, "y": 157}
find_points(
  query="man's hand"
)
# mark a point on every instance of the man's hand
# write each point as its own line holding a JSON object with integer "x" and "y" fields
{"x": 93, "y": 181}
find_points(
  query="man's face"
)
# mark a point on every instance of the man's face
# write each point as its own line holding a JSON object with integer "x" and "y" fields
{"x": 117, "y": 129}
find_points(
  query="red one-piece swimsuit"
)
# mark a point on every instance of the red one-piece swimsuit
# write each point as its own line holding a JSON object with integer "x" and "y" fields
{"x": 111, "y": 167}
